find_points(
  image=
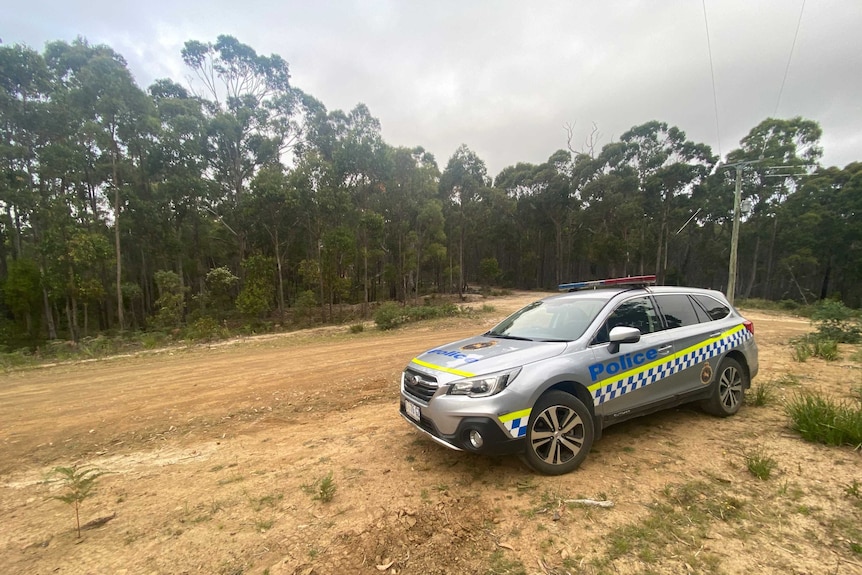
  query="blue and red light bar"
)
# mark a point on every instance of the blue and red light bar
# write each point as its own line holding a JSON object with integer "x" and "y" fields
{"x": 631, "y": 280}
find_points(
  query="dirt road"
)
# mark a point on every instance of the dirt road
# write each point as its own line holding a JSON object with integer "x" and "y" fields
{"x": 218, "y": 457}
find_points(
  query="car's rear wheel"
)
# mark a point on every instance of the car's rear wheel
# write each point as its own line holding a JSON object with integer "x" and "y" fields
{"x": 559, "y": 434}
{"x": 728, "y": 390}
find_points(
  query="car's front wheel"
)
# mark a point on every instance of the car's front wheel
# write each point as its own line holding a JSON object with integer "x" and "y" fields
{"x": 728, "y": 390}
{"x": 559, "y": 434}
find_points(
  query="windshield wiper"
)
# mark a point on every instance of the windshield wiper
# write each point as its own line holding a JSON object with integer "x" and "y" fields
{"x": 501, "y": 336}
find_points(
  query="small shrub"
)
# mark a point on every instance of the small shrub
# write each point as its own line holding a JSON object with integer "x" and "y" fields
{"x": 389, "y": 315}
{"x": 206, "y": 329}
{"x": 836, "y": 322}
{"x": 153, "y": 339}
{"x": 357, "y": 328}
{"x": 760, "y": 465}
{"x": 822, "y": 420}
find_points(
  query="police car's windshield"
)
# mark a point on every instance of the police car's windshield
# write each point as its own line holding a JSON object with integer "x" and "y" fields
{"x": 550, "y": 320}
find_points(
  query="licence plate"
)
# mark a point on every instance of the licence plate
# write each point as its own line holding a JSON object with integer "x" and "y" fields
{"x": 412, "y": 410}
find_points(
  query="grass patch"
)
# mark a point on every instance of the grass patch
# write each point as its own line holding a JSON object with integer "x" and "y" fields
{"x": 823, "y": 420}
{"x": 676, "y": 524}
{"x": 761, "y": 394}
{"x": 501, "y": 564}
{"x": 801, "y": 352}
{"x": 760, "y": 464}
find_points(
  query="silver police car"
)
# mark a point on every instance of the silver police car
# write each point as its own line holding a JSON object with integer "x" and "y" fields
{"x": 546, "y": 381}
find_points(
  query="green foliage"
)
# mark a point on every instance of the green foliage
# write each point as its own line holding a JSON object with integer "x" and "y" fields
{"x": 502, "y": 564}
{"x": 760, "y": 464}
{"x": 836, "y": 322}
{"x": 256, "y": 297}
{"x": 801, "y": 352}
{"x": 171, "y": 300}
{"x": 357, "y": 328}
{"x": 391, "y": 315}
{"x": 323, "y": 489}
{"x": 815, "y": 347}
{"x": 220, "y": 284}
{"x": 489, "y": 270}
{"x": 761, "y": 394}
{"x": 823, "y": 420}
{"x": 305, "y": 305}
{"x": 206, "y": 329}
{"x": 78, "y": 483}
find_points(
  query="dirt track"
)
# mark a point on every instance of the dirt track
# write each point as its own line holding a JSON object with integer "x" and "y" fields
{"x": 216, "y": 452}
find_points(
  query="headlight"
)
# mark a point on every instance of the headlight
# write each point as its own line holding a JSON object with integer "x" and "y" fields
{"x": 485, "y": 385}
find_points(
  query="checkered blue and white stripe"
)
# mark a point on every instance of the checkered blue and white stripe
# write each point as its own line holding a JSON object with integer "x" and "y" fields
{"x": 517, "y": 427}
{"x": 650, "y": 375}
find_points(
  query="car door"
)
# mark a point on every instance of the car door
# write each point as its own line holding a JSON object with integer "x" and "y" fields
{"x": 627, "y": 379}
{"x": 690, "y": 330}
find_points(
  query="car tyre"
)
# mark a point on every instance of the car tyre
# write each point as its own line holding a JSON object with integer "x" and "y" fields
{"x": 560, "y": 433}
{"x": 728, "y": 389}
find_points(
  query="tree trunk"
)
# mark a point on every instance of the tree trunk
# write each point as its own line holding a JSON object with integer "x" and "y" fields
{"x": 120, "y": 318}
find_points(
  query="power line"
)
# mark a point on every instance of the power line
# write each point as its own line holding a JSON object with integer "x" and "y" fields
{"x": 789, "y": 59}
{"x": 712, "y": 73}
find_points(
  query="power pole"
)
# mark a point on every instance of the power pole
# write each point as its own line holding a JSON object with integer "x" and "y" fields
{"x": 734, "y": 237}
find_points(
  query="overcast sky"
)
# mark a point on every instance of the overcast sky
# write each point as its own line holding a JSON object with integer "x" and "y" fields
{"x": 506, "y": 77}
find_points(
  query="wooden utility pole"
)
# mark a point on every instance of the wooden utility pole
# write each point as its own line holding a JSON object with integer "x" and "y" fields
{"x": 734, "y": 237}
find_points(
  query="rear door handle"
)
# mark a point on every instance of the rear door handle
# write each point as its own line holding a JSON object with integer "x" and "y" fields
{"x": 665, "y": 349}
{"x": 716, "y": 334}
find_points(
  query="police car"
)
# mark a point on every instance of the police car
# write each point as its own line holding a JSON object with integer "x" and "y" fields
{"x": 546, "y": 381}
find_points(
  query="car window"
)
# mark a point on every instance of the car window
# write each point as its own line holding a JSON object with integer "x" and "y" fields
{"x": 677, "y": 309}
{"x": 714, "y": 308}
{"x": 637, "y": 312}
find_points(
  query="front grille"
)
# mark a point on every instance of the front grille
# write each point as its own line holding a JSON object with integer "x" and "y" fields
{"x": 419, "y": 385}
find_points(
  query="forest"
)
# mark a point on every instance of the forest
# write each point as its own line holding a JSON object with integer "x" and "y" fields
{"x": 236, "y": 196}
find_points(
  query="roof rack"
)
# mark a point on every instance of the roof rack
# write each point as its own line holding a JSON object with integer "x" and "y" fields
{"x": 628, "y": 281}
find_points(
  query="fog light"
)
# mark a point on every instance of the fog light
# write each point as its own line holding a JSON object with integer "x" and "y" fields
{"x": 476, "y": 440}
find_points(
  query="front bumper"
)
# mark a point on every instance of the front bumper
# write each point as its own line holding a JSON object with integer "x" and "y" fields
{"x": 495, "y": 440}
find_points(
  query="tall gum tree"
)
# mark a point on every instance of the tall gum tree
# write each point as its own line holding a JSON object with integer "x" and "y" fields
{"x": 781, "y": 153}
{"x": 251, "y": 110}
{"x": 669, "y": 167}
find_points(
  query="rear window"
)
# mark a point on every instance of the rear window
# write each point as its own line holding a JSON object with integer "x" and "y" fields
{"x": 678, "y": 310}
{"x": 714, "y": 308}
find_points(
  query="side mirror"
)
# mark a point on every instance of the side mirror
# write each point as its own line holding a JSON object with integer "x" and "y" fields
{"x": 622, "y": 334}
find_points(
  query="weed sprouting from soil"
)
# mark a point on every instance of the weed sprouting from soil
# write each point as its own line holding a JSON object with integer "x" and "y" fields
{"x": 762, "y": 394}
{"x": 760, "y": 464}
{"x": 323, "y": 489}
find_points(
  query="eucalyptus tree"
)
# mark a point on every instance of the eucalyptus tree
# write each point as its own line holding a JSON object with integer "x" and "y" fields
{"x": 461, "y": 185}
{"x": 822, "y": 251}
{"x": 274, "y": 205}
{"x": 251, "y": 110}
{"x": 777, "y": 154}
{"x": 103, "y": 114}
{"x": 24, "y": 91}
{"x": 168, "y": 208}
{"x": 413, "y": 218}
{"x": 669, "y": 169}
